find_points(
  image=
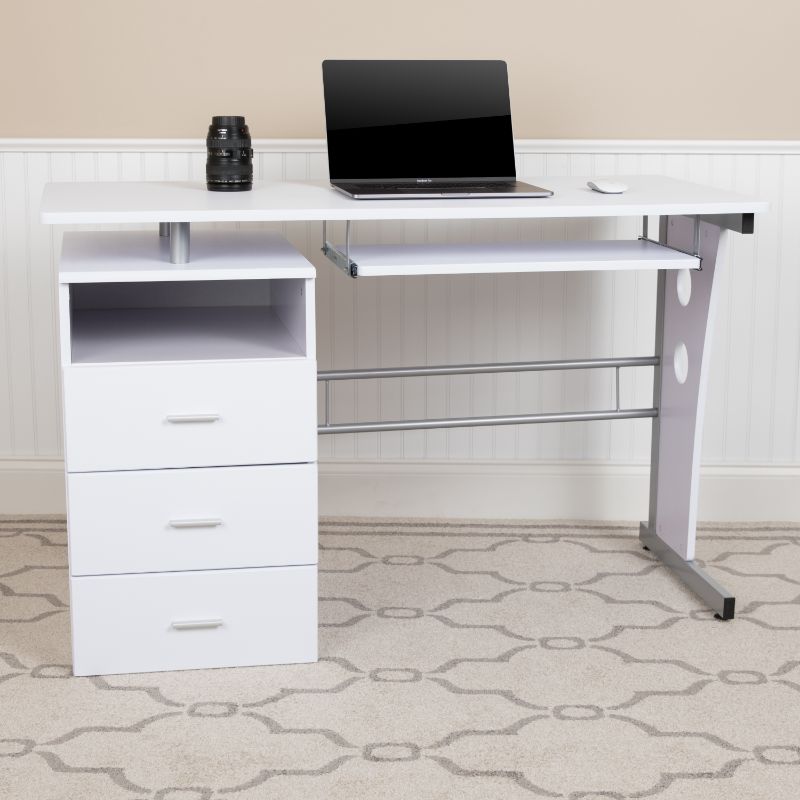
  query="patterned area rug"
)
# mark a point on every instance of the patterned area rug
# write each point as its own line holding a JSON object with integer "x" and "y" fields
{"x": 479, "y": 661}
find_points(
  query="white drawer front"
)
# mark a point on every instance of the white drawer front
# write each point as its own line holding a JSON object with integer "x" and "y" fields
{"x": 189, "y": 519}
{"x": 190, "y": 415}
{"x": 194, "y": 620}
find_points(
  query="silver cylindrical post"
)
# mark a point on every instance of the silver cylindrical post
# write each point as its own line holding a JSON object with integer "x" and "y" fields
{"x": 163, "y": 229}
{"x": 179, "y": 242}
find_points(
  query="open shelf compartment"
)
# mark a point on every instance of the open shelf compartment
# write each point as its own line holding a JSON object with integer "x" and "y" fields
{"x": 187, "y": 321}
{"x": 246, "y": 295}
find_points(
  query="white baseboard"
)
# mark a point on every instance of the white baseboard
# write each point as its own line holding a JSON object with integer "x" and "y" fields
{"x": 32, "y": 486}
{"x": 555, "y": 490}
{"x": 474, "y": 490}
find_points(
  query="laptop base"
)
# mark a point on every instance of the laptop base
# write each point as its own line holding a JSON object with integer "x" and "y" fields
{"x": 364, "y": 191}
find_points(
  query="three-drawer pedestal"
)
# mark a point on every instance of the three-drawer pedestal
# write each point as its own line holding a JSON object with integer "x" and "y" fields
{"x": 191, "y": 448}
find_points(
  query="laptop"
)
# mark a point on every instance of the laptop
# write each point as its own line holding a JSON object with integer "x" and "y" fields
{"x": 421, "y": 129}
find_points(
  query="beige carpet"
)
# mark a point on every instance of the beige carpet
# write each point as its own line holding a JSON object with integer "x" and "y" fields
{"x": 479, "y": 661}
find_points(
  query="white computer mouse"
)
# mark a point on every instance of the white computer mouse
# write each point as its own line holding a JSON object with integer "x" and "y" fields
{"x": 607, "y": 186}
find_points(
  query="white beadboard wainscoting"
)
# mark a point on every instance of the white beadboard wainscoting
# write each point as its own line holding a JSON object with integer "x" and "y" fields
{"x": 751, "y": 448}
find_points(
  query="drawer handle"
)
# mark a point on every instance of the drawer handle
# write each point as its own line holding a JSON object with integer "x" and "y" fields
{"x": 195, "y": 523}
{"x": 196, "y": 624}
{"x": 182, "y": 419}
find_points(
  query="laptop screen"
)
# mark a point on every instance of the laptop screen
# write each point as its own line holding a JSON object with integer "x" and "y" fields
{"x": 418, "y": 120}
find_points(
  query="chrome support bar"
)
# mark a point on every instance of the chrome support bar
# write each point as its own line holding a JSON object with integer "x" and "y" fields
{"x": 326, "y": 376}
{"x": 179, "y": 242}
{"x": 163, "y": 229}
{"x": 472, "y": 369}
{"x": 616, "y": 387}
{"x": 469, "y": 422}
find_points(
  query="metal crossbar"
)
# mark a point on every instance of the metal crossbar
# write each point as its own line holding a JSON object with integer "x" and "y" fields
{"x": 326, "y": 376}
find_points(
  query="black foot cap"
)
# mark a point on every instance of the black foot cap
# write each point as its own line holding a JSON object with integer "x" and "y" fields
{"x": 728, "y": 609}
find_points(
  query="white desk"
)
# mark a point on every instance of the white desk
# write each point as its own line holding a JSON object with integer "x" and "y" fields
{"x": 695, "y": 222}
{"x": 95, "y": 203}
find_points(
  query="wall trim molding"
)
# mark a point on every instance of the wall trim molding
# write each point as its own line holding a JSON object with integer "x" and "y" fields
{"x": 549, "y": 146}
{"x": 480, "y": 489}
{"x": 547, "y": 490}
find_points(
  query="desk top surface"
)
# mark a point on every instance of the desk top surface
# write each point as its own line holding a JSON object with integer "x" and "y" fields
{"x": 140, "y": 202}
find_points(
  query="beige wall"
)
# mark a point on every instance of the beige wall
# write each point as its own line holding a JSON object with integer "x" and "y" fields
{"x": 579, "y": 68}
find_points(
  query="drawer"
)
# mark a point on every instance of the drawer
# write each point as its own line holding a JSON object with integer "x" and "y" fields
{"x": 193, "y": 620}
{"x": 191, "y": 519}
{"x": 190, "y": 415}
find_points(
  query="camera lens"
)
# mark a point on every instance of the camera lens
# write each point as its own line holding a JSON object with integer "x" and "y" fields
{"x": 229, "y": 166}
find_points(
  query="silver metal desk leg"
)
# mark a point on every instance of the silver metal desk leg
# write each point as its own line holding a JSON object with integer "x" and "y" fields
{"x": 703, "y": 585}
{"x": 684, "y": 325}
